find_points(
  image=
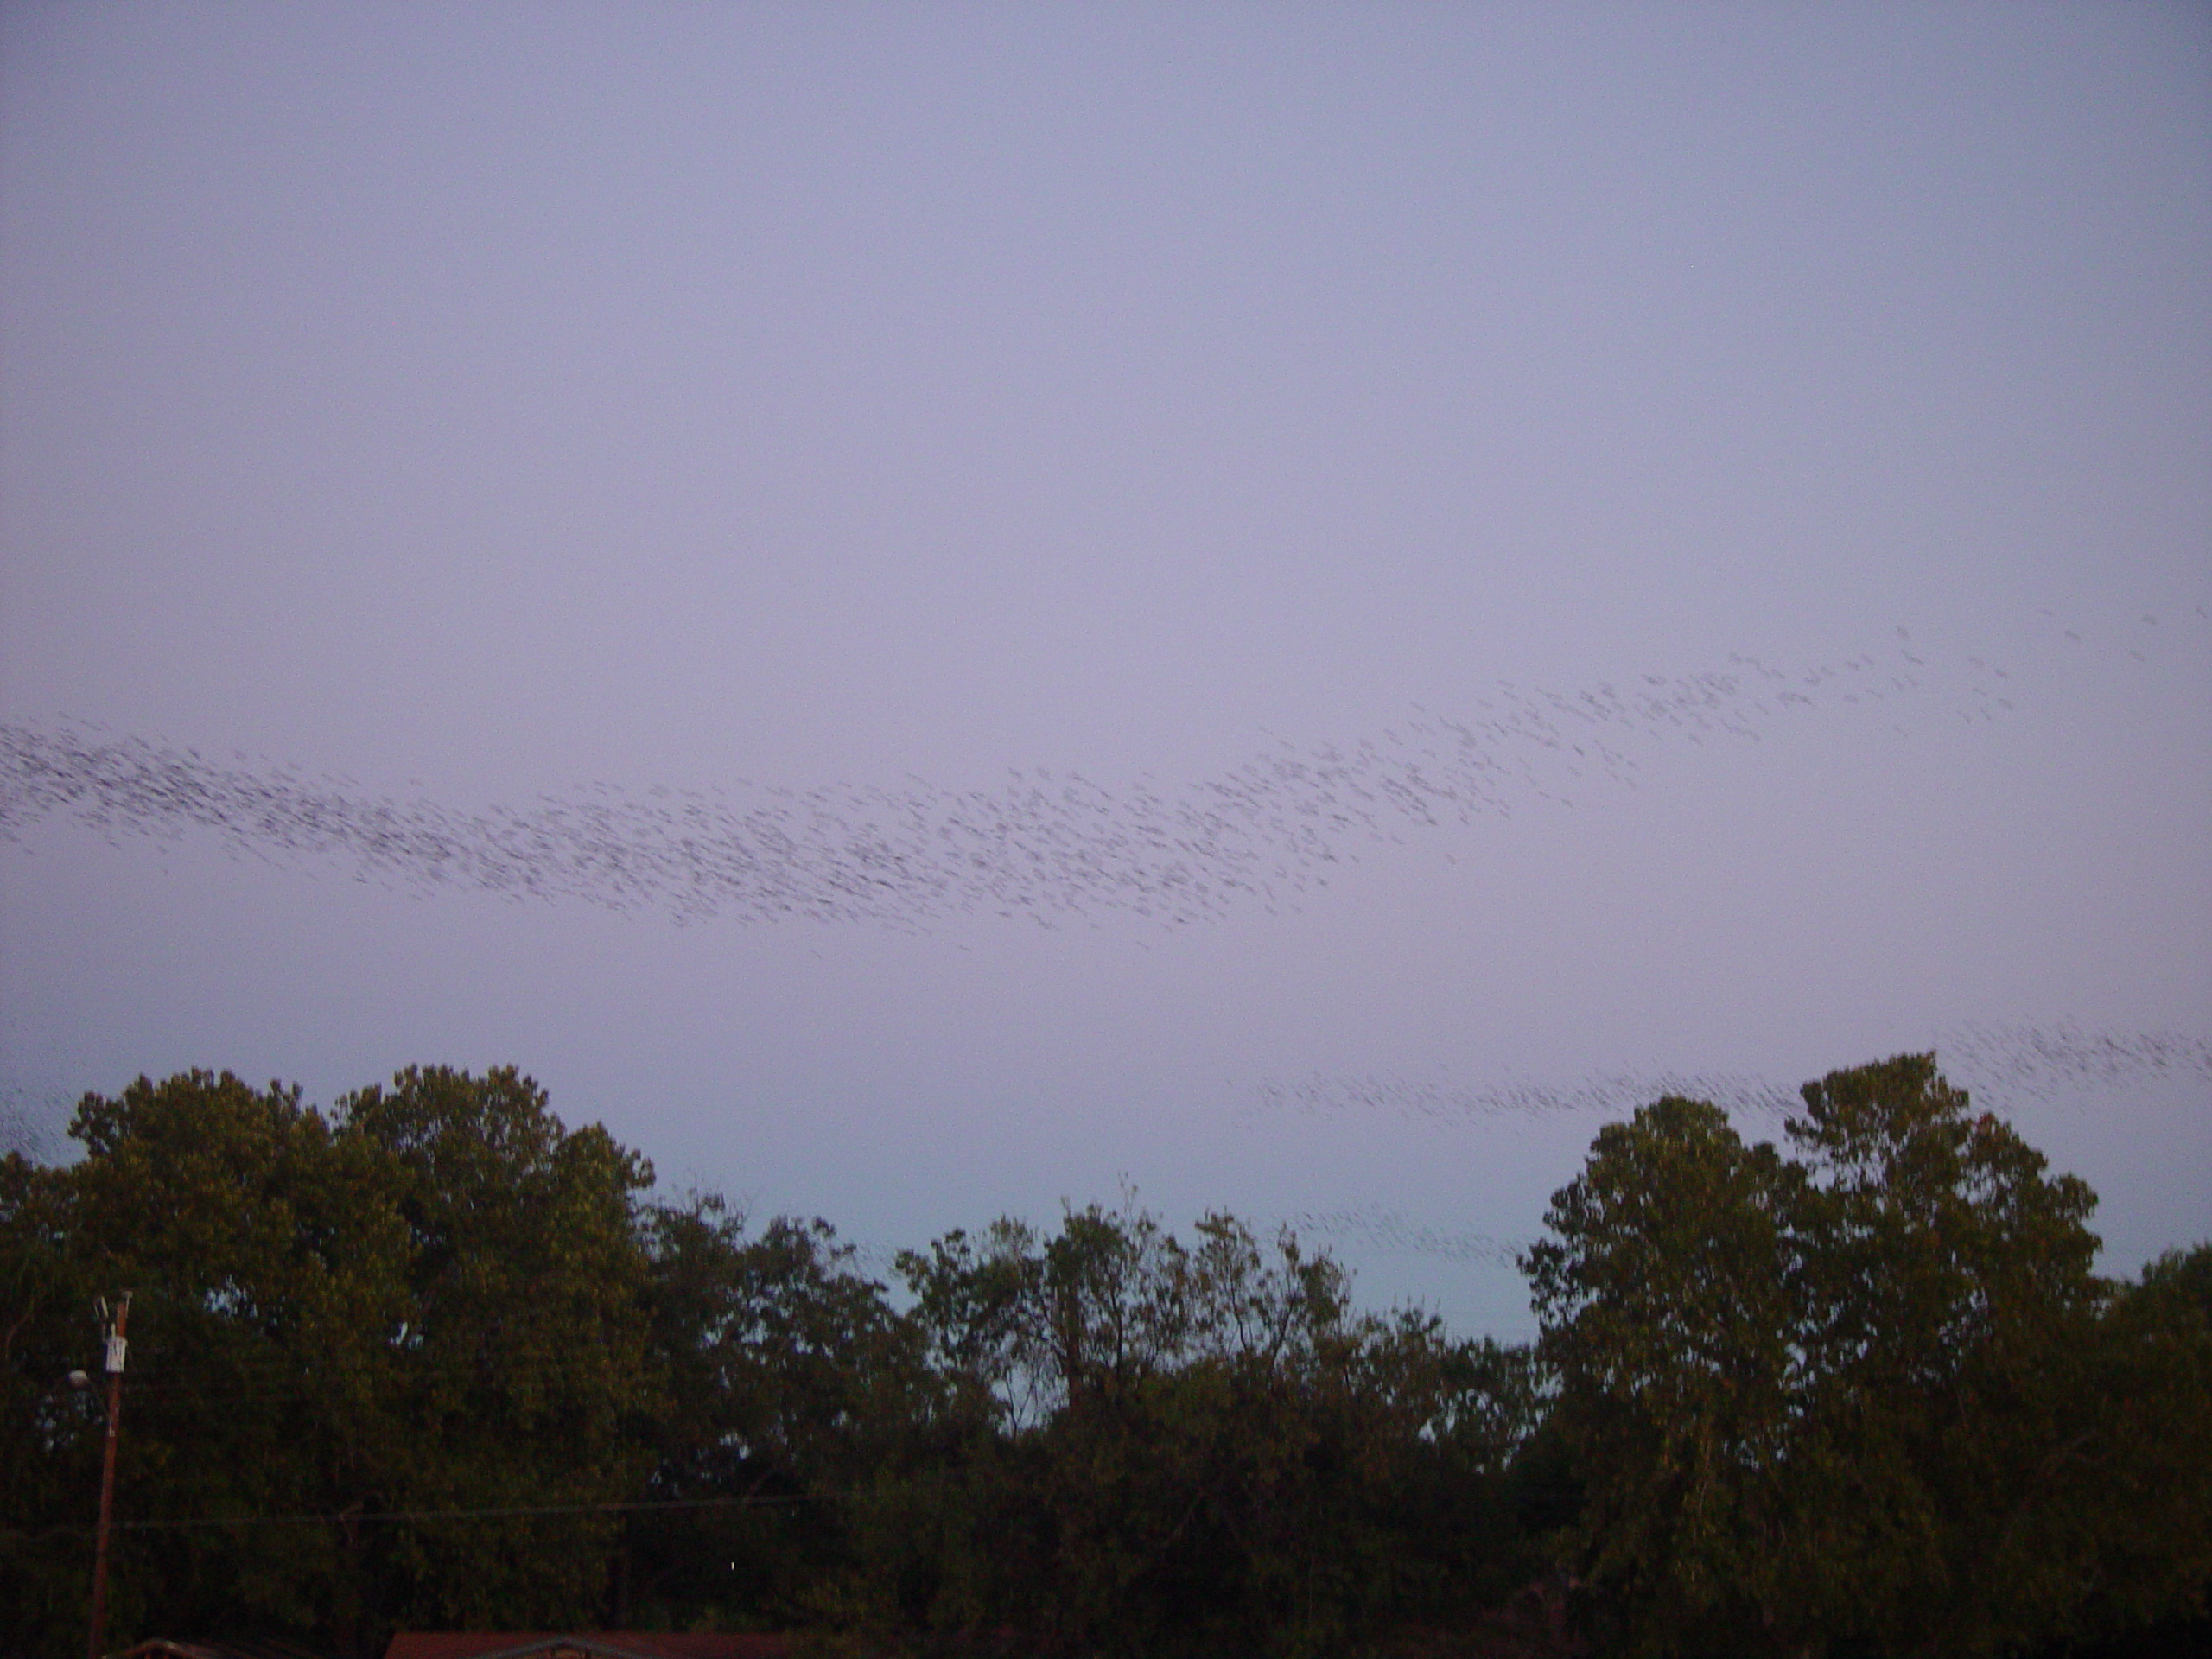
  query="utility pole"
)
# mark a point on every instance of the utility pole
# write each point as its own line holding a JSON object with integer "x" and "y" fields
{"x": 116, "y": 1349}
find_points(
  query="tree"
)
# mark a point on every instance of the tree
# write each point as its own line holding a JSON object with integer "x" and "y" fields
{"x": 2135, "y": 1531}
{"x": 1950, "y": 1296}
{"x": 266, "y": 1259}
{"x": 1666, "y": 1301}
{"x": 526, "y": 1372}
{"x": 1858, "y": 1395}
{"x": 793, "y": 1389}
{"x": 345, "y": 1327}
{"x": 1198, "y": 1448}
{"x": 48, "y": 1437}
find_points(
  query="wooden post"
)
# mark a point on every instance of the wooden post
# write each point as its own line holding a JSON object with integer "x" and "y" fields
{"x": 116, "y": 1349}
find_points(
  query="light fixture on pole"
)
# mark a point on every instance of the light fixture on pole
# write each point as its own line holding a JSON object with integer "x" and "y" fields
{"x": 116, "y": 1348}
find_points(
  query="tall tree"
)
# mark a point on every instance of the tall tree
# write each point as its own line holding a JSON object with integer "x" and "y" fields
{"x": 524, "y": 1359}
{"x": 346, "y": 1328}
{"x": 1950, "y": 1294}
{"x": 1854, "y": 1395}
{"x": 1666, "y": 1296}
{"x": 267, "y": 1262}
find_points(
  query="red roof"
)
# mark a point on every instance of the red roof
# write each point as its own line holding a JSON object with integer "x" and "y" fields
{"x": 587, "y": 1644}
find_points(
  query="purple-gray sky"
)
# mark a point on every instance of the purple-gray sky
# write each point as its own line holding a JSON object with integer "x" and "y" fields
{"x": 929, "y": 608}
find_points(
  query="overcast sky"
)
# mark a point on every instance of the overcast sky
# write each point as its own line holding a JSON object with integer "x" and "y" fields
{"x": 930, "y": 610}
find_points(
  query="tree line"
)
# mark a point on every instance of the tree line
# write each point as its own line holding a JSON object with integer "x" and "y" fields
{"x": 430, "y": 1359}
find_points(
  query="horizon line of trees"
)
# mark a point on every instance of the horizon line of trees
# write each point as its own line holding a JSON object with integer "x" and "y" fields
{"x": 431, "y": 1360}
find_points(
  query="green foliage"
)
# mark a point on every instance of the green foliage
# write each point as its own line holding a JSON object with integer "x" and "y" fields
{"x": 432, "y": 1359}
{"x": 1201, "y": 1450}
{"x": 263, "y": 1251}
{"x": 1665, "y": 1295}
{"x": 49, "y": 1447}
{"x": 1872, "y": 1395}
{"x": 1950, "y": 1294}
{"x": 792, "y": 1386}
{"x": 431, "y": 1300}
{"x": 2138, "y": 1464}
{"x": 523, "y": 1356}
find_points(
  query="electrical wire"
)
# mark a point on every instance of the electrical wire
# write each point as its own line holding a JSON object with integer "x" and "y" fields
{"x": 357, "y": 1517}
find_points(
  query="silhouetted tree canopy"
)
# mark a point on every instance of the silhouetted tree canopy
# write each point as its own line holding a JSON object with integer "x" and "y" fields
{"x": 1871, "y": 1394}
{"x": 430, "y": 1359}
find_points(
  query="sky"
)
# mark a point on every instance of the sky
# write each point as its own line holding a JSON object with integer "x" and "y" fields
{"x": 933, "y": 612}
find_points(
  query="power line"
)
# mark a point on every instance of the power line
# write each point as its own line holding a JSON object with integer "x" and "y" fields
{"x": 506, "y": 1512}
